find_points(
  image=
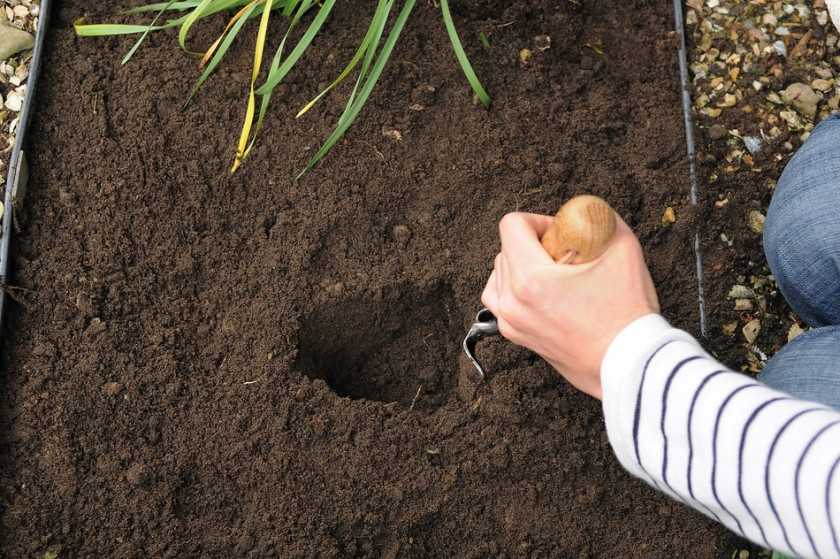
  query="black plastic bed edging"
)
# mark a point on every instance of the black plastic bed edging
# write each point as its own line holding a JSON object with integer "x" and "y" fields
{"x": 692, "y": 159}
{"x": 18, "y": 170}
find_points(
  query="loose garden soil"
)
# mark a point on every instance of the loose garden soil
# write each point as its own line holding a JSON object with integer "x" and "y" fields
{"x": 199, "y": 363}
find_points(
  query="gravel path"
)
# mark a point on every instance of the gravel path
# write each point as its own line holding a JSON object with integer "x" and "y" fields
{"x": 14, "y": 71}
{"x": 763, "y": 74}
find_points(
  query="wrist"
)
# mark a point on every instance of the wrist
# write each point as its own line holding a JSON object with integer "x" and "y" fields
{"x": 626, "y": 355}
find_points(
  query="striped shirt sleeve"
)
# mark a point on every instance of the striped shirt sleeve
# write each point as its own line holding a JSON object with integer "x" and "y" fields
{"x": 759, "y": 461}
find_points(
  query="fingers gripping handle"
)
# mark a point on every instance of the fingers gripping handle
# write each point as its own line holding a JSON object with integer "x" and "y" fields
{"x": 580, "y": 233}
{"x": 581, "y": 230}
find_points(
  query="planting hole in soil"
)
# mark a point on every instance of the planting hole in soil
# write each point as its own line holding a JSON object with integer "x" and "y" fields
{"x": 397, "y": 347}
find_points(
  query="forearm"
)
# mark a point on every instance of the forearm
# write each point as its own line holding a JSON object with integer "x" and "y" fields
{"x": 759, "y": 461}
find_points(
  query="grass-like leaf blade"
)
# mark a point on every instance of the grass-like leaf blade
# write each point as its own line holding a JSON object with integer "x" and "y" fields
{"x": 193, "y": 16}
{"x": 303, "y": 7}
{"x": 223, "y": 48}
{"x": 380, "y": 19}
{"x": 275, "y": 77}
{"x": 360, "y": 53}
{"x": 462, "y": 56}
{"x": 352, "y": 112}
{"x": 110, "y": 29}
{"x": 137, "y": 44}
{"x": 180, "y": 6}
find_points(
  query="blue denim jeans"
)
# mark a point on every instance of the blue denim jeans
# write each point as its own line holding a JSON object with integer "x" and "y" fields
{"x": 802, "y": 245}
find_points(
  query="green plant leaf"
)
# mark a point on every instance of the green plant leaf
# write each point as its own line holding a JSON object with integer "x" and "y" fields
{"x": 275, "y": 64}
{"x": 109, "y": 29}
{"x": 377, "y": 24}
{"x": 193, "y": 16}
{"x": 363, "y": 48}
{"x": 290, "y": 7}
{"x": 461, "y": 55}
{"x": 215, "y": 6}
{"x": 230, "y": 35}
{"x": 275, "y": 77}
{"x": 303, "y": 7}
{"x": 145, "y": 33}
{"x": 352, "y": 112}
{"x": 162, "y": 6}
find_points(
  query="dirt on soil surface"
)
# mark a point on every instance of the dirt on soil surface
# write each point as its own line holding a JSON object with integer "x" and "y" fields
{"x": 200, "y": 363}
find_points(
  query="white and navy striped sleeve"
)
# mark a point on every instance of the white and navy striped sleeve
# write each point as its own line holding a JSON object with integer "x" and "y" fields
{"x": 757, "y": 460}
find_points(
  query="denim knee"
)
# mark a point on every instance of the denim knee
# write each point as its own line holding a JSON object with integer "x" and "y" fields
{"x": 802, "y": 231}
{"x": 808, "y": 367}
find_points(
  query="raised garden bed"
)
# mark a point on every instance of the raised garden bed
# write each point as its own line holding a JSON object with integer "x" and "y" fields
{"x": 230, "y": 365}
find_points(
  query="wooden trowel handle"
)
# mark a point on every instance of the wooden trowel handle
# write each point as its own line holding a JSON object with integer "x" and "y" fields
{"x": 581, "y": 230}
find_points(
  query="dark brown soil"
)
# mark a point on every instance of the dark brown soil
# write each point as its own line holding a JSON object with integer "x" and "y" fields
{"x": 207, "y": 364}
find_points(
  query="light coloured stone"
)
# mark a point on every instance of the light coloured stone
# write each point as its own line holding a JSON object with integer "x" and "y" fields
{"x": 13, "y": 40}
{"x": 822, "y": 84}
{"x": 802, "y": 98}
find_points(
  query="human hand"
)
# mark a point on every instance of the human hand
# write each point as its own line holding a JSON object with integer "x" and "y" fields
{"x": 568, "y": 314}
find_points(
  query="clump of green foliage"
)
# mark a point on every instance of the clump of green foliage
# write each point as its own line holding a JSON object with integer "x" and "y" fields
{"x": 372, "y": 53}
